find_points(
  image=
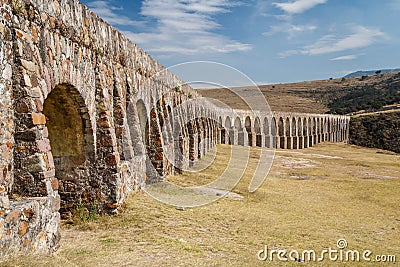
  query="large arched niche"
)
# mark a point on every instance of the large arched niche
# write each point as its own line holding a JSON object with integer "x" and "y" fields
{"x": 143, "y": 120}
{"x": 72, "y": 145}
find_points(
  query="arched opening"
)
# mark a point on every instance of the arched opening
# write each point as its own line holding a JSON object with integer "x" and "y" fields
{"x": 72, "y": 146}
{"x": 227, "y": 123}
{"x": 221, "y": 131}
{"x": 281, "y": 131}
{"x": 230, "y": 134}
{"x": 267, "y": 133}
{"x": 238, "y": 124}
{"x": 257, "y": 129}
{"x": 240, "y": 133}
{"x": 274, "y": 133}
{"x": 294, "y": 134}
{"x": 300, "y": 134}
{"x": 247, "y": 124}
{"x": 310, "y": 132}
{"x": 143, "y": 121}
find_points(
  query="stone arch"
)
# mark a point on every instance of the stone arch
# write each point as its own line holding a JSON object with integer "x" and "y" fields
{"x": 266, "y": 126}
{"x": 300, "y": 139}
{"x": 267, "y": 131}
{"x": 257, "y": 129}
{"x": 293, "y": 137}
{"x": 143, "y": 120}
{"x": 154, "y": 145}
{"x": 229, "y": 134}
{"x": 281, "y": 129}
{"x": 240, "y": 133}
{"x": 281, "y": 132}
{"x": 310, "y": 132}
{"x": 238, "y": 124}
{"x": 227, "y": 122}
{"x": 248, "y": 126}
{"x": 72, "y": 146}
{"x": 274, "y": 133}
{"x": 287, "y": 127}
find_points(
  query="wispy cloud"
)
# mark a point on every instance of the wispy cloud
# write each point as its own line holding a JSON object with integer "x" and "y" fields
{"x": 360, "y": 38}
{"x": 347, "y": 57}
{"x": 178, "y": 26}
{"x": 290, "y": 29}
{"x": 298, "y": 6}
{"x": 110, "y": 14}
{"x": 187, "y": 27}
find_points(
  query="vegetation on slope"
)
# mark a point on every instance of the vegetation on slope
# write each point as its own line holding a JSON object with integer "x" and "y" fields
{"x": 377, "y": 131}
{"x": 367, "y": 97}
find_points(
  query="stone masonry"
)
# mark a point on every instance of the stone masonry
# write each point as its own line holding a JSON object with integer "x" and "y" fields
{"x": 86, "y": 118}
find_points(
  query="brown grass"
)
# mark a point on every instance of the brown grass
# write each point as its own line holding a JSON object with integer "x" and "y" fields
{"x": 303, "y": 97}
{"x": 311, "y": 198}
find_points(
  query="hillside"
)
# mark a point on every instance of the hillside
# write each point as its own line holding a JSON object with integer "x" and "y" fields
{"x": 338, "y": 96}
{"x": 376, "y": 131}
{"x": 369, "y": 72}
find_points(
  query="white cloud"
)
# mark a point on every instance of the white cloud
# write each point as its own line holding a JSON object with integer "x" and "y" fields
{"x": 110, "y": 14}
{"x": 180, "y": 26}
{"x": 291, "y": 29}
{"x": 347, "y": 57}
{"x": 360, "y": 38}
{"x": 299, "y": 6}
{"x": 186, "y": 27}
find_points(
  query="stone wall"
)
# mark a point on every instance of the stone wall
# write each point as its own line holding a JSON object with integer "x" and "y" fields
{"x": 88, "y": 117}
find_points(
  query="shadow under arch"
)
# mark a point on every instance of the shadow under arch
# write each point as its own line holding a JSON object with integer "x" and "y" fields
{"x": 72, "y": 146}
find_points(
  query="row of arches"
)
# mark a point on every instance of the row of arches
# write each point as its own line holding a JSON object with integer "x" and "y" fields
{"x": 286, "y": 132}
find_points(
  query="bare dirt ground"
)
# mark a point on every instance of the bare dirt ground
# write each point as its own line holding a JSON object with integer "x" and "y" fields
{"x": 312, "y": 198}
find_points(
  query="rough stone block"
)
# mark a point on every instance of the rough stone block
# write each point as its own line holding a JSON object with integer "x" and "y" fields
{"x": 55, "y": 184}
{"x": 43, "y": 145}
{"x": 28, "y": 65}
{"x": 23, "y": 228}
{"x": 38, "y": 119}
{"x": 13, "y": 216}
{"x": 112, "y": 160}
{"x": 4, "y": 202}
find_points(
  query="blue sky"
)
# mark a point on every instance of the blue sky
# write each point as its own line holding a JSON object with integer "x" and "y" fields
{"x": 271, "y": 41}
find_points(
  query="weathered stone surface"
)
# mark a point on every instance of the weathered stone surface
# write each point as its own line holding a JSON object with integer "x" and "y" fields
{"x": 22, "y": 228}
{"x": 43, "y": 145}
{"x": 55, "y": 184}
{"x": 28, "y": 65}
{"x": 13, "y": 216}
{"x": 38, "y": 119}
{"x": 81, "y": 84}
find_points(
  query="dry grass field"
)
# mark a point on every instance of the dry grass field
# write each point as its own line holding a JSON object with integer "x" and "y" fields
{"x": 312, "y": 198}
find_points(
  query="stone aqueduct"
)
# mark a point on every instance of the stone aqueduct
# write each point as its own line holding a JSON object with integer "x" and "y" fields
{"x": 83, "y": 111}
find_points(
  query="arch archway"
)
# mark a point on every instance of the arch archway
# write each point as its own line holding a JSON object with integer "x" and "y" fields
{"x": 229, "y": 136}
{"x": 281, "y": 132}
{"x": 257, "y": 129}
{"x": 143, "y": 120}
{"x": 239, "y": 130}
{"x": 274, "y": 133}
{"x": 248, "y": 126}
{"x": 72, "y": 146}
{"x": 267, "y": 133}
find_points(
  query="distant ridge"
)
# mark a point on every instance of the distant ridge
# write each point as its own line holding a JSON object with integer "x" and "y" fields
{"x": 369, "y": 72}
